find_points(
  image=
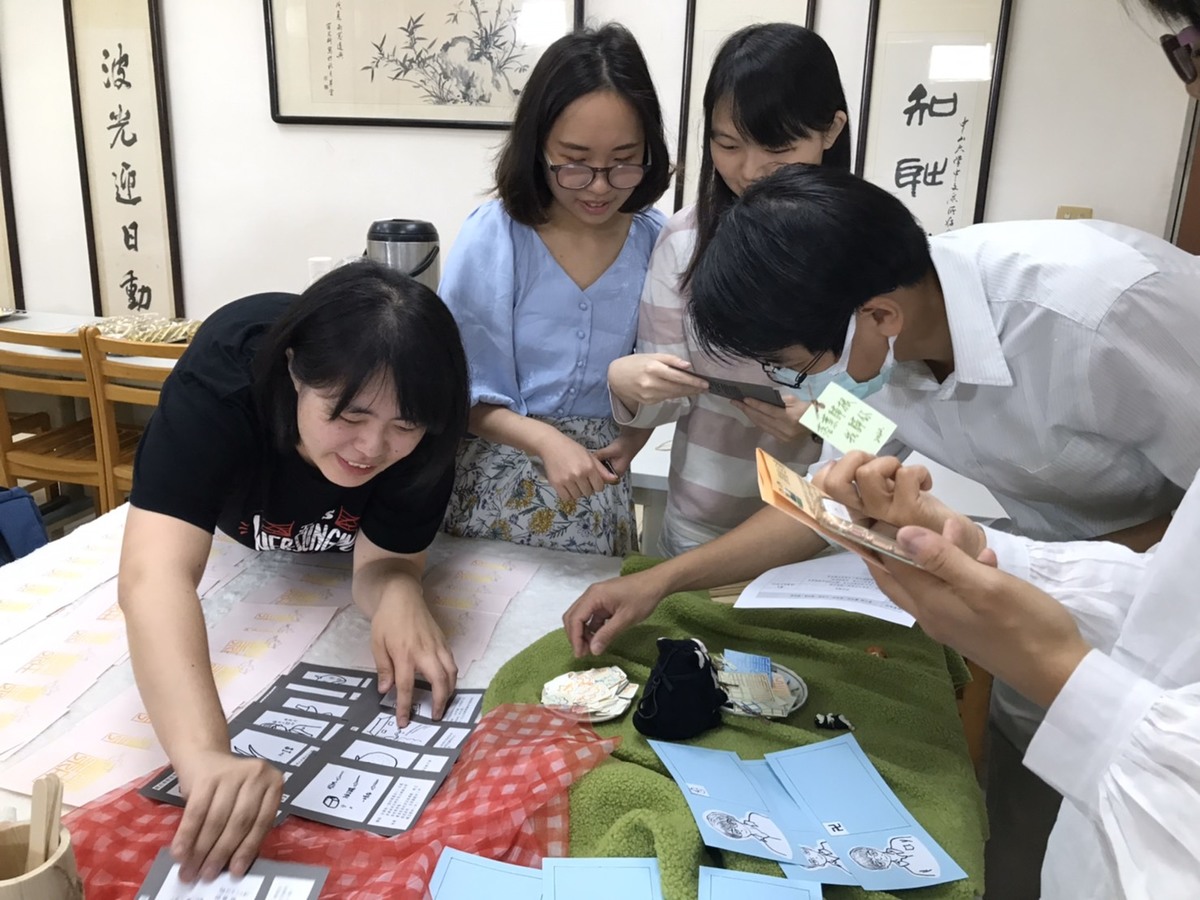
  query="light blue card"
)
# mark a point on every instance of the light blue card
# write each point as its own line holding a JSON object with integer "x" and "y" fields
{"x": 725, "y": 801}
{"x": 464, "y": 876}
{"x": 737, "y": 661}
{"x": 600, "y": 879}
{"x": 812, "y": 857}
{"x": 868, "y": 828}
{"x": 722, "y": 884}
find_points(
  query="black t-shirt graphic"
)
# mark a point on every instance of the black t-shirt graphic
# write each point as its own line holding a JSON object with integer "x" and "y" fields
{"x": 206, "y": 458}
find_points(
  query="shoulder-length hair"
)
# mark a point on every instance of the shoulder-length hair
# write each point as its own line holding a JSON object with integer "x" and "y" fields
{"x": 359, "y": 321}
{"x": 605, "y": 59}
{"x": 783, "y": 85}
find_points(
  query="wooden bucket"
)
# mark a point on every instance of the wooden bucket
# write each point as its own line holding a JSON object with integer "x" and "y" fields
{"x": 55, "y": 879}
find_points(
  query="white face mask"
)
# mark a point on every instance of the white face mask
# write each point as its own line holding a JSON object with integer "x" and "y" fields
{"x": 816, "y": 382}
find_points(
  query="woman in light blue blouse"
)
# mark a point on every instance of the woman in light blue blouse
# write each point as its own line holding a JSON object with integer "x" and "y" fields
{"x": 545, "y": 283}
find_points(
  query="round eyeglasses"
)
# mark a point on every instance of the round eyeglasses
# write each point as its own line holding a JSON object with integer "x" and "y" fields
{"x": 577, "y": 176}
{"x": 790, "y": 377}
{"x": 1180, "y": 50}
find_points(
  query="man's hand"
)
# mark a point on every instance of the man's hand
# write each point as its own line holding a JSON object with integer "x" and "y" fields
{"x": 883, "y": 490}
{"x": 643, "y": 379}
{"x": 572, "y": 470}
{"x": 405, "y": 640}
{"x": 231, "y": 802}
{"x": 1015, "y": 631}
{"x": 783, "y": 424}
{"x": 606, "y": 609}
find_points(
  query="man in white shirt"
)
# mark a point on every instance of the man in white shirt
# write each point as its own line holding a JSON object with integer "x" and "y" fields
{"x": 1121, "y": 679}
{"x": 1055, "y": 362}
{"x": 1121, "y": 737}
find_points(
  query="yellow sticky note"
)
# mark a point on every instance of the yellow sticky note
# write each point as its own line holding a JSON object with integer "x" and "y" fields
{"x": 847, "y": 422}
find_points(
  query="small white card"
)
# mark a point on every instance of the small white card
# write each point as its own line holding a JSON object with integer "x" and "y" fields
{"x": 847, "y": 422}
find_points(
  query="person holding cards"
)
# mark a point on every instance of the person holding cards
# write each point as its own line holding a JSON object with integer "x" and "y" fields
{"x": 324, "y": 422}
{"x": 774, "y": 96}
{"x": 544, "y": 282}
{"x": 1106, "y": 639}
{"x": 1052, "y": 361}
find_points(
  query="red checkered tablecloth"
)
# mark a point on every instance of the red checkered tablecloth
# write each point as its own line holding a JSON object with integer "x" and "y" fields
{"x": 505, "y": 799}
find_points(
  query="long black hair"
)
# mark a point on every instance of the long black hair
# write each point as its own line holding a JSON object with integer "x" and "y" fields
{"x": 1174, "y": 10}
{"x": 348, "y": 327}
{"x": 796, "y": 256}
{"x": 783, "y": 85}
{"x": 605, "y": 59}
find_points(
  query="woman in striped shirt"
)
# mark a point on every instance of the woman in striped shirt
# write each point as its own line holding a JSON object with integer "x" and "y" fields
{"x": 773, "y": 97}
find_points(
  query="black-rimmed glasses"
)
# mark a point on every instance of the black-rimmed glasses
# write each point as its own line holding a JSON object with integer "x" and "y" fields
{"x": 1180, "y": 49}
{"x": 789, "y": 377}
{"x": 576, "y": 176}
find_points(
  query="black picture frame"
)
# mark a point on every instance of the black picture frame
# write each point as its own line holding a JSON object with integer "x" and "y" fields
{"x": 12, "y": 290}
{"x": 141, "y": 22}
{"x": 1002, "y": 27}
{"x": 282, "y": 116}
{"x": 686, "y": 114}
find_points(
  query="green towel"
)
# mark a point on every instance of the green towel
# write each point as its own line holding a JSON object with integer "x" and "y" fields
{"x": 902, "y": 707}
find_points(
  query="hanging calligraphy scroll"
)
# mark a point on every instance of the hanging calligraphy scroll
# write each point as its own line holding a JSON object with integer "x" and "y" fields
{"x": 118, "y": 87}
{"x": 11, "y": 294}
{"x": 707, "y": 24}
{"x": 437, "y": 63}
{"x": 930, "y": 94}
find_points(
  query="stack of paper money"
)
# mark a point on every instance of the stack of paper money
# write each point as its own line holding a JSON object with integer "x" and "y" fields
{"x": 754, "y": 686}
{"x": 596, "y": 694}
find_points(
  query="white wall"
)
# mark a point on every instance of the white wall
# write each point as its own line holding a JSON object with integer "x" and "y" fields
{"x": 1090, "y": 115}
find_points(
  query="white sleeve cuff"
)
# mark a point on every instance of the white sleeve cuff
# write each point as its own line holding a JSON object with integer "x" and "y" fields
{"x": 1012, "y": 552}
{"x": 1087, "y": 726}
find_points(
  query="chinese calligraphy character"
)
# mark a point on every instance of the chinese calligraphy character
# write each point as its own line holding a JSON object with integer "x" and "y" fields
{"x": 126, "y": 181}
{"x": 138, "y": 295}
{"x": 120, "y": 121}
{"x": 114, "y": 68}
{"x": 912, "y": 173}
{"x": 129, "y": 233}
{"x": 921, "y": 109}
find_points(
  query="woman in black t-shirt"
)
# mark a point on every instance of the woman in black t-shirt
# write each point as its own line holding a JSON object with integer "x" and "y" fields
{"x": 327, "y": 421}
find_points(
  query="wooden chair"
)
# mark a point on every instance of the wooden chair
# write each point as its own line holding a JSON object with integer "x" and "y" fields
{"x": 47, "y": 363}
{"x": 974, "y": 703}
{"x": 120, "y": 373}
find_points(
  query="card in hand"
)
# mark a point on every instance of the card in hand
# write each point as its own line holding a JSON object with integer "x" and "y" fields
{"x": 741, "y": 390}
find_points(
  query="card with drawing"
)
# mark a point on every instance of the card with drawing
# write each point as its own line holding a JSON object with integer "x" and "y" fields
{"x": 867, "y": 827}
{"x": 344, "y": 759}
{"x": 266, "y": 880}
{"x": 802, "y": 500}
{"x": 822, "y": 812}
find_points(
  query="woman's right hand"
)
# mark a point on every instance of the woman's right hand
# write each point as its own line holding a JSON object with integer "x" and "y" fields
{"x": 643, "y": 379}
{"x": 572, "y": 470}
{"x": 231, "y": 803}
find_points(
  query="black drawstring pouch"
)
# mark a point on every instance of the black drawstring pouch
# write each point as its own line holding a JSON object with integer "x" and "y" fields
{"x": 682, "y": 698}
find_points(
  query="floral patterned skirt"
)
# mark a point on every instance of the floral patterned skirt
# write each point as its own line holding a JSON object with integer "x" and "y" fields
{"x": 500, "y": 493}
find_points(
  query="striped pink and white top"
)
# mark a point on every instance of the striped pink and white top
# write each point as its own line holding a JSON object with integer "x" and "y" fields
{"x": 713, "y": 481}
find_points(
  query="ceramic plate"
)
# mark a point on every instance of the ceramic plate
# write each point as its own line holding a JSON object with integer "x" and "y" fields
{"x": 796, "y": 686}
